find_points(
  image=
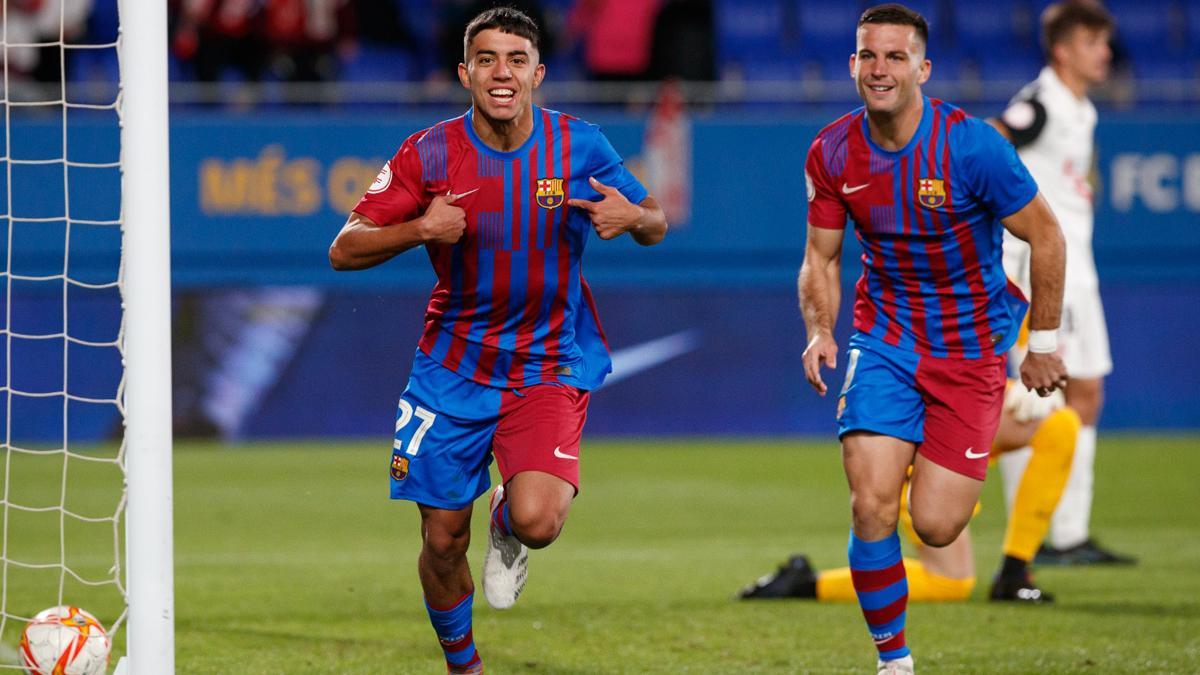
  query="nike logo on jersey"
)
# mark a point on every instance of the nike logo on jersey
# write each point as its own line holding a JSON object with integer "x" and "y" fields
{"x": 847, "y": 190}
{"x": 975, "y": 455}
{"x": 562, "y": 455}
{"x": 460, "y": 195}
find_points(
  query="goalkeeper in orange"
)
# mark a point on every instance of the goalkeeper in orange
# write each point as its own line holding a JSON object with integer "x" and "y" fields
{"x": 948, "y": 574}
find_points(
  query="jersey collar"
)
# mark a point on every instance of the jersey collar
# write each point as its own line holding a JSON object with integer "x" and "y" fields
{"x": 511, "y": 154}
{"x": 921, "y": 133}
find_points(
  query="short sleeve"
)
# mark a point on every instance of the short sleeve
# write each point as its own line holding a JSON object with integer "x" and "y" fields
{"x": 825, "y": 208}
{"x": 993, "y": 171}
{"x": 396, "y": 195}
{"x": 606, "y": 166}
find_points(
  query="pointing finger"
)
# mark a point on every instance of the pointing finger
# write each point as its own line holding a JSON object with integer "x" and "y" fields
{"x": 584, "y": 204}
{"x": 600, "y": 187}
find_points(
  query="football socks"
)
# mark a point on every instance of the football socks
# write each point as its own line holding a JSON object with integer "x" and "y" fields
{"x": 879, "y": 581}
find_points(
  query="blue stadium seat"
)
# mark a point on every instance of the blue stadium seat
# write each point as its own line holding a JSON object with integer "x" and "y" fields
{"x": 1013, "y": 66}
{"x": 826, "y": 27}
{"x": 753, "y": 39}
{"x": 1149, "y": 30}
{"x": 982, "y": 26}
{"x": 375, "y": 63}
{"x": 1192, "y": 16}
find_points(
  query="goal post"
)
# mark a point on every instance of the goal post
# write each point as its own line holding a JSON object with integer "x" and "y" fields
{"x": 147, "y": 299}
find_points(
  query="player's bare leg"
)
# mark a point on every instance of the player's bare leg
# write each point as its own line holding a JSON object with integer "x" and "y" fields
{"x": 875, "y": 469}
{"x": 941, "y": 501}
{"x": 528, "y": 512}
{"x": 446, "y": 580}
{"x": 539, "y": 503}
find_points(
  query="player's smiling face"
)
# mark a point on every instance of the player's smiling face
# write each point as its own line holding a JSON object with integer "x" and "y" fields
{"x": 889, "y": 67}
{"x": 502, "y": 70}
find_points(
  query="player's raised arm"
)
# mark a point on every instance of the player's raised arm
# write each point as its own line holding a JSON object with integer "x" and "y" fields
{"x": 363, "y": 243}
{"x": 614, "y": 215}
{"x": 820, "y": 292}
{"x": 1035, "y": 224}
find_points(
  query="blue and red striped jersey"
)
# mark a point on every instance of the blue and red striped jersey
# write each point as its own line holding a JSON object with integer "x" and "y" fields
{"x": 511, "y": 307}
{"x": 928, "y": 218}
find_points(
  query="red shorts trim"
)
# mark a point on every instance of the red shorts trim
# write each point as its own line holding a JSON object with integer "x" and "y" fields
{"x": 963, "y": 399}
{"x": 540, "y": 429}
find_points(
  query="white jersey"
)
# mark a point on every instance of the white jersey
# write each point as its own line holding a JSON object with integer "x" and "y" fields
{"x": 1053, "y": 131}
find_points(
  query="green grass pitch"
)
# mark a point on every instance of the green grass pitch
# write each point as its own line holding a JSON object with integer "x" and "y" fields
{"x": 291, "y": 559}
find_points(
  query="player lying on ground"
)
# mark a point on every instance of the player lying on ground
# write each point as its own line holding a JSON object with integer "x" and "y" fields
{"x": 504, "y": 199}
{"x": 948, "y": 574}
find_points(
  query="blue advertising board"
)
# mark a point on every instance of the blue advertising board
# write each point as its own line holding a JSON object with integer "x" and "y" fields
{"x": 705, "y": 325}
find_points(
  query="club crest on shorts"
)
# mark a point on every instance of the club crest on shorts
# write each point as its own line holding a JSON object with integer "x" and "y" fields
{"x": 550, "y": 193}
{"x": 399, "y": 466}
{"x": 931, "y": 192}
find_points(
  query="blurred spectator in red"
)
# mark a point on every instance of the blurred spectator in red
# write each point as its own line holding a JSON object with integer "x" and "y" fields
{"x": 41, "y": 21}
{"x": 308, "y": 38}
{"x": 616, "y": 36}
{"x": 685, "y": 44}
{"x": 213, "y": 35}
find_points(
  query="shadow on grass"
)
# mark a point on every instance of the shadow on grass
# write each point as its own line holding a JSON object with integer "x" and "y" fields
{"x": 1151, "y": 610}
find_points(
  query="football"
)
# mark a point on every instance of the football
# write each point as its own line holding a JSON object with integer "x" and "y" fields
{"x": 64, "y": 640}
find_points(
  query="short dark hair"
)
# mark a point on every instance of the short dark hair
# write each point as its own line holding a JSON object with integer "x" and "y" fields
{"x": 506, "y": 20}
{"x": 1059, "y": 19}
{"x": 894, "y": 13}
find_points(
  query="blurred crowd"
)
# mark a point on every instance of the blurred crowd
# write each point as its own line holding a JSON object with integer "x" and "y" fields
{"x": 322, "y": 40}
{"x": 599, "y": 40}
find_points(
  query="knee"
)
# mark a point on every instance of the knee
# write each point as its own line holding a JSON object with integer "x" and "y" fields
{"x": 937, "y": 532}
{"x": 536, "y": 530}
{"x": 874, "y": 514}
{"x": 443, "y": 544}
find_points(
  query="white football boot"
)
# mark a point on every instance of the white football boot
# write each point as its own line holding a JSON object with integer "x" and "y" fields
{"x": 505, "y": 565}
{"x": 902, "y": 666}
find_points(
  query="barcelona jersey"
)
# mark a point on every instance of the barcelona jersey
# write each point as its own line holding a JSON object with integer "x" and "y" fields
{"x": 511, "y": 307}
{"x": 928, "y": 218}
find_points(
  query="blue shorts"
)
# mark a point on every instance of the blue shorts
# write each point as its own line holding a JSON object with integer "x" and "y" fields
{"x": 448, "y": 427}
{"x": 949, "y": 408}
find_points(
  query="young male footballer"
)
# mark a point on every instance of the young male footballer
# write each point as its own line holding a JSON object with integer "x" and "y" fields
{"x": 931, "y": 191}
{"x": 504, "y": 199}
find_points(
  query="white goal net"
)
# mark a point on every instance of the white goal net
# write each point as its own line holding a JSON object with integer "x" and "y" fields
{"x": 65, "y": 328}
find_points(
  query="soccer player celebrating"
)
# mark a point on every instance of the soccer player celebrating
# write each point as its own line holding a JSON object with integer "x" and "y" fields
{"x": 1052, "y": 123}
{"x": 503, "y": 199}
{"x": 930, "y": 190}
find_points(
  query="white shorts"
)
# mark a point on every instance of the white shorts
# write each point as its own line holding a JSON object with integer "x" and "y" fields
{"x": 1083, "y": 335}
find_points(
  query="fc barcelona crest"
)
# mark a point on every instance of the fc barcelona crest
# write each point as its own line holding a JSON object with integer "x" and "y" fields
{"x": 931, "y": 192}
{"x": 399, "y": 466}
{"x": 550, "y": 193}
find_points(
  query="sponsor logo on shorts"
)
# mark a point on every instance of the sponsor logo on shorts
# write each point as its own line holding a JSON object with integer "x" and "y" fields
{"x": 399, "y": 466}
{"x": 562, "y": 455}
{"x": 975, "y": 455}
